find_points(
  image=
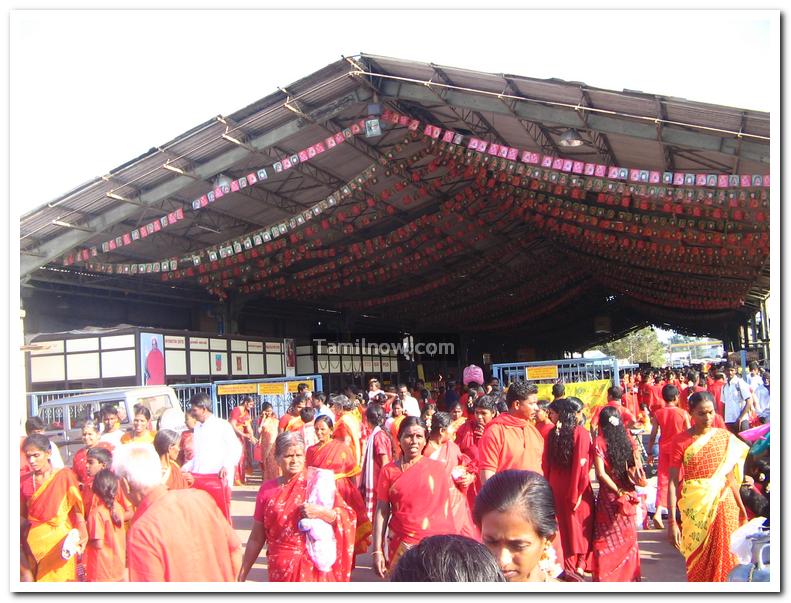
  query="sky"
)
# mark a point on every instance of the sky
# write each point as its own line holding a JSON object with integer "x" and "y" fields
{"x": 93, "y": 89}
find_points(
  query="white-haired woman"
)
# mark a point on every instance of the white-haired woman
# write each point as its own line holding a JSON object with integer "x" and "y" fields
{"x": 279, "y": 507}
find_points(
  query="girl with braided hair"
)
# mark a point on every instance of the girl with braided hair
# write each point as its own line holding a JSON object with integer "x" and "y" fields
{"x": 106, "y": 550}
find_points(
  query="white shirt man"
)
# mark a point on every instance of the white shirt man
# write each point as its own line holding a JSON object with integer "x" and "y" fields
{"x": 216, "y": 448}
{"x": 735, "y": 396}
{"x": 411, "y": 406}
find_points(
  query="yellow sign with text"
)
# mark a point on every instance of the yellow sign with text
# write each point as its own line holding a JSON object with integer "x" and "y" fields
{"x": 271, "y": 389}
{"x": 236, "y": 388}
{"x": 592, "y": 393}
{"x": 534, "y": 373}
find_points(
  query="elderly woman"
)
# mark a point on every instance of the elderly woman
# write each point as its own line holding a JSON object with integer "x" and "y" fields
{"x": 166, "y": 443}
{"x": 413, "y": 499}
{"x": 50, "y": 507}
{"x": 279, "y": 507}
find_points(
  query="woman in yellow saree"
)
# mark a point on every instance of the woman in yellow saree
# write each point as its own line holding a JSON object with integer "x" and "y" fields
{"x": 50, "y": 507}
{"x": 710, "y": 462}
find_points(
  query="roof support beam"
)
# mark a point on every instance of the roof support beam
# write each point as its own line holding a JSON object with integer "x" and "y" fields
{"x": 58, "y": 245}
{"x": 534, "y": 129}
{"x": 536, "y": 112}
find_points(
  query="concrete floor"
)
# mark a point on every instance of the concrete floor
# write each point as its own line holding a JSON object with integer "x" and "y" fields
{"x": 659, "y": 561}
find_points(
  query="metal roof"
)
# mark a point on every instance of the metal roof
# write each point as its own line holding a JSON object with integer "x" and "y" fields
{"x": 628, "y": 129}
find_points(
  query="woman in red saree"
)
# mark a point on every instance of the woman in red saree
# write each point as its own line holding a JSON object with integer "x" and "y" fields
{"x": 440, "y": 447}
{"x": 413, "y": 499}
{"x": 264, "y": 449}
{"x": 90, "y": 437}
{"x": 616, "y": 557}
{"x": 712, "y": 461}
{"x": 50, "y": 507}
{"x": 242, "y": 424}
{"x": 566, "y": 466}
{"x": 332, "y": 454}
{"x": 279, "y": 507}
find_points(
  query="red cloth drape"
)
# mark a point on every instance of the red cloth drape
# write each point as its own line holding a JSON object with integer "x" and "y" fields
{"x": 339, "y": 458}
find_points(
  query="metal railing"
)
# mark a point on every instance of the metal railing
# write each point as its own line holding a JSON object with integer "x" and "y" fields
{"x": 222, "y": 404}
{"x": 569, "y": 370}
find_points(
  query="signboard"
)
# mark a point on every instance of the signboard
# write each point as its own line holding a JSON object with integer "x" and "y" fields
{"x": 199, "y": 343}
{"x": 174, "y": 341}
{"x": 541, "y": 372}
{"x": 255, "y": 346}
{"x": 238, "y": 388}
{"x": 273, "y": 347}
{"x": 272, "y": 389}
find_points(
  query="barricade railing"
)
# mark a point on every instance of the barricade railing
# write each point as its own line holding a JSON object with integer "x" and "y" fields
{"x": 225, "y": 395}
{"x": 567, "y": 370}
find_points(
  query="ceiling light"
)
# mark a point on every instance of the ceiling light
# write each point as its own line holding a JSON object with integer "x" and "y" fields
{"x": 221, "y": 180}
{"x": 571, "y": 138}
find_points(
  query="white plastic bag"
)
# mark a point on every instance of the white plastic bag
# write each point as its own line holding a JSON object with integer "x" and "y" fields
{"x": 319, "y": 535}
{"x": 740, "y": 545}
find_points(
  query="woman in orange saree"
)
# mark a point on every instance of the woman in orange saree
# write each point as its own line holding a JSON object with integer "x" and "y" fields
{"x": 333, "y": 454}
{"x": 50, "y": 507}
{"x": 413, "y": 499}
{"x": 280, "y": 506}
{"x": 264, "y": 451}
{"x": 710, "y": 505}
{"x": 393, "y": 423}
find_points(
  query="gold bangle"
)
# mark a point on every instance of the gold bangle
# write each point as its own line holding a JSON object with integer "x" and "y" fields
{"x": 378, "y": 553}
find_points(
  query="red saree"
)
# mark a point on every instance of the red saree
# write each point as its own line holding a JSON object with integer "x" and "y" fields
{"x": 419, "y": 501}
{"x": 710, "y": 513}
{"x": 278, "y": 509}
{"x": 616, "y": 557}
{"x": 240, "y": 417}
{"x": 339, "y": 458}
{"x": 568, "y": 485}
{"x": 451, "y": 455}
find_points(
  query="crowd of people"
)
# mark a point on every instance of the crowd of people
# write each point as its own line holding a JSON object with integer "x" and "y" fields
{"x": 474, "y": 482}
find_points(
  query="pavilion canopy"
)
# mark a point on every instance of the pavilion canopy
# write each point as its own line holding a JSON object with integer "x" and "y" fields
{"x": 462, "y": 212}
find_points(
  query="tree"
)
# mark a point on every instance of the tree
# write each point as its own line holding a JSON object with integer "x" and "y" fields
{"x": 639, "y": 346}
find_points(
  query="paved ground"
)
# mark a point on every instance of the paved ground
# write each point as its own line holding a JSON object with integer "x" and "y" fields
{"x": 659, "y": 561}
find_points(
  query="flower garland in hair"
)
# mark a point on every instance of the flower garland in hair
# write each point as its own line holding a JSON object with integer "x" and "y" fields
{"x": 614, "y": 421}
{"x": 549, "y": 562}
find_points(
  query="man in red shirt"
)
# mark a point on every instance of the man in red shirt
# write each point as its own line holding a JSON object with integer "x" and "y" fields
{"x": 468, "y": 437}
{"x": 614, "y": 395}
{"x": 655, "y": 392}
{"x": 176, "y": 535}
{"x": 669, "y": 421}
{"x": 715, "y": 389}
{"x": 510, "y": 440}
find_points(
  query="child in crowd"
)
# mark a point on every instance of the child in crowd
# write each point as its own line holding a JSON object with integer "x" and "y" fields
{"x": 105, "y": 553}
